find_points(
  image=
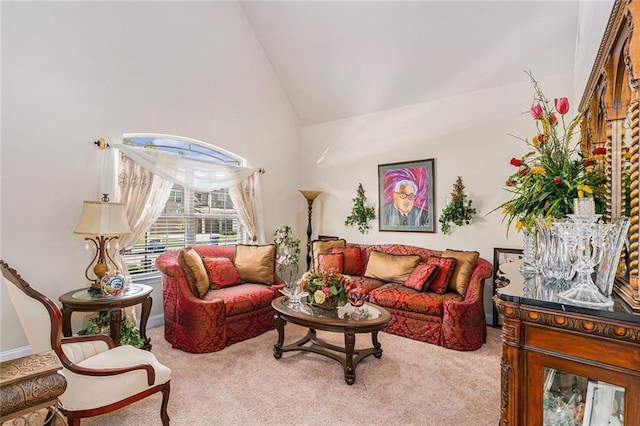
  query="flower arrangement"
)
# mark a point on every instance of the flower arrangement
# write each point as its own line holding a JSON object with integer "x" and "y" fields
{"x": 361, "y": 214}
{"x": 554, "y": 171}
{"x": 287, "y": 253}
{"x": 458, "y": 210}
{"x": 326, "y": 288}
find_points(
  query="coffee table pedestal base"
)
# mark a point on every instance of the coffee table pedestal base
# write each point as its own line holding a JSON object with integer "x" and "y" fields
{"x": 348, "y": 356}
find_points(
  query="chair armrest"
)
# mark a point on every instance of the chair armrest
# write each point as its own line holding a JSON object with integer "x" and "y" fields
{"x": 88, "y": 338}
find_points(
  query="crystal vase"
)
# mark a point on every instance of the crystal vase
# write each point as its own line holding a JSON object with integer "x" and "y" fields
{"x": 529, "y": 253}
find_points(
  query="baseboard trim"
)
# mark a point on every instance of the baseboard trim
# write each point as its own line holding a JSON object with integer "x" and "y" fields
{"x": 154, "y": 321}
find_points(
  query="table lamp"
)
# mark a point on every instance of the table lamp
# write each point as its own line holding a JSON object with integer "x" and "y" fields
{"x": 309, "y": 196}
{"x": 104, "y": 222}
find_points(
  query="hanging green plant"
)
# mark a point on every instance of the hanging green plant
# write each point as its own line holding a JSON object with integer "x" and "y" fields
{"x": 458, "y": 210}
{"x": 129, "y": 334}
{"x": 361, "y": 214}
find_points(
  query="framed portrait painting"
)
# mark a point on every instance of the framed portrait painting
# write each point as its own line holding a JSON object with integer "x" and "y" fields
{"x": 406, "y": 196}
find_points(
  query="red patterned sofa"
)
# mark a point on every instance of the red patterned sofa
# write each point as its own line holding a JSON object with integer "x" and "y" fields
{"x": 450, "y": 319}
{"x": 223, "y": 316}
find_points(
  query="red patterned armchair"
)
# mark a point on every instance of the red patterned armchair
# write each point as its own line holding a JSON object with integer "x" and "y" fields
{"x": 447, "y": 311}
{"x": 223, "y": 315}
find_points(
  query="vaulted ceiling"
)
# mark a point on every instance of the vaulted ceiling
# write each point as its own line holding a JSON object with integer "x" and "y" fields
{"x": 345, "y": 58}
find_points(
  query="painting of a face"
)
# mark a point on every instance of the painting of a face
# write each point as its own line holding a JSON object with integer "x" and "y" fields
{"x": 403, "y": 199}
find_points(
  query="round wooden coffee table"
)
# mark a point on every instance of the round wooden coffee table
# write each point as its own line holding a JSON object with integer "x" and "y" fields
{"x": 346, "y": 320}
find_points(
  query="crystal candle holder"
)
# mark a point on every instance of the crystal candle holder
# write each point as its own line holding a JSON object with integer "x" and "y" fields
{"x": 584, "y": 206}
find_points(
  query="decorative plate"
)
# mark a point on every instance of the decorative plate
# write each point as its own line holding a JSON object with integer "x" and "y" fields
{"x": 112, "y": 284}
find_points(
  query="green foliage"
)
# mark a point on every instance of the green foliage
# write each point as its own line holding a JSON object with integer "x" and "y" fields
{"x": 129, "y": 334}
{"x": 459, "y": 211}
{"x": 361, "y": 214}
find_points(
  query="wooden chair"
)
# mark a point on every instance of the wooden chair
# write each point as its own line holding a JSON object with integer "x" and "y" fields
{"x": 101, "y": 377}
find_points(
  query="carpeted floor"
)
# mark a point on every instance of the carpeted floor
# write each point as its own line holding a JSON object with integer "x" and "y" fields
{"x": 414, "y": 383}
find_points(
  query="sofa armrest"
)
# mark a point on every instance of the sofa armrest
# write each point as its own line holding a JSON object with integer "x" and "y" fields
{"x": 464, "y": 324}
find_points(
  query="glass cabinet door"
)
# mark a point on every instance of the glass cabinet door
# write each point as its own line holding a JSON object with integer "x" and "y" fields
{"x": 571, "y": 400}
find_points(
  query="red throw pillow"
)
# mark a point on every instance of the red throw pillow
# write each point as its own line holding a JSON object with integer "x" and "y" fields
{"x": 331, "y": 262}
{"x": 422, "y": 276}
{"x": 352, "y": 260}
{"x": 445, "y": 270}
{"x": 221, "y": 271}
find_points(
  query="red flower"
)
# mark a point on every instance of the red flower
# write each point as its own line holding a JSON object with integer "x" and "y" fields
{"x": 536, "y": 111}
{"x": 562, "y": 105}
{"x": 553, "y": 120}
{"x": 557, "y": 180}
{"x": 599, "y": 151}
{"x": 524, "y": 171}
{"x": 588, "y": 163}
{"x": 625, "y": 149}
{"x": 540, "y": 138}
{"x": 515, "y": 162}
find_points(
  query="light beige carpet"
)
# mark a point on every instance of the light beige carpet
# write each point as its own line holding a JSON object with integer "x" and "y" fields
{"x": 414, "y": 383}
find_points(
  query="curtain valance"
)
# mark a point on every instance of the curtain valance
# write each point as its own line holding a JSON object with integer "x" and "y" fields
{"x": 200, "y": 174}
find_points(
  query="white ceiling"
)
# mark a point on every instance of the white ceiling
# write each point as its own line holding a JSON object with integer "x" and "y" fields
{"x": 340, "y": 59}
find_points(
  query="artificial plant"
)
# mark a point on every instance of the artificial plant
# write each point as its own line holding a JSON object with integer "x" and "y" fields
{"x": 361, "y": 214}
{"x": 459, "y": 210}
{"x": 129, "y": 333}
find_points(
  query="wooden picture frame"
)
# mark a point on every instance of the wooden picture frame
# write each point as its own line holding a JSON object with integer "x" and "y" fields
{"x": 500, "y": 257}
{"x": 406, "y": 194}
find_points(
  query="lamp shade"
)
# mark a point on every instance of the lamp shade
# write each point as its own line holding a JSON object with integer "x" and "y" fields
{"x": 310, "y": 195}
{"x": 106, "y": 219}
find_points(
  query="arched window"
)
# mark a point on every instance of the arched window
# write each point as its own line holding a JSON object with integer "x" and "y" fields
{"x": 190, "y": 217}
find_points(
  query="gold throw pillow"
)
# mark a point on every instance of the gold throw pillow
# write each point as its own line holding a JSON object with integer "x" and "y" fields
{"x": 391, "y": 267}
{"x": 256, "y": 264}
{"x": 465, "y": 264}
{"x": 195, "y": 271}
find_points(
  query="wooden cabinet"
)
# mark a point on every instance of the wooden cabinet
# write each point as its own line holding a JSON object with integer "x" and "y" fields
{"x": 558, "y": 359}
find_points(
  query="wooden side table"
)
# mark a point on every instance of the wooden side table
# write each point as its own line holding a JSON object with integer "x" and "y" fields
{"x": 82, "y": 300}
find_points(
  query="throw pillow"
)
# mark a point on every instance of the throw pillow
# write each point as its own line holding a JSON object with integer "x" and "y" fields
{"x": 323, "y": 246}
{"x": 421, "y": 277}
{"x": 352, "y": 259}
{"x": 193, "y": 267}
{"x": 331, "y": 262}
{"x": 221, "y": 271}
{"x": 390, "y": 267}
{"x": 256, "y": 264}
{"x": 465, "y": 262}
{"x": 443, "y": 276}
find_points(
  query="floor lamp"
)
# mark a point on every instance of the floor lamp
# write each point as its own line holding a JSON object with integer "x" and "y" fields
{"x": 309, "y": 196}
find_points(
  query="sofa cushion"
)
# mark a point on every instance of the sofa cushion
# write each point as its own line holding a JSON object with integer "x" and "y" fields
{"x": 221, "y": 271}
{"x": 242, "y": 298}
{"x": 324, "y": 246}
{"x": 445, "y": 271}
{"x": 398, "y": 296}
{"x": 331, "y": 262}
{"x": 194, "y": 270}
{"x": 256, "y": 264}
{"x": 364, "y": 284}
{"x": 352, "y": 259}
{"x": 422, "y": 276}
{"x": 390, "y": 267}
{"x": 465, "y": 262}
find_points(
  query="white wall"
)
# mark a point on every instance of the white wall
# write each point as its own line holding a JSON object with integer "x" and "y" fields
{"x": 467, "y": 136}
{"x": 74, "y": 72}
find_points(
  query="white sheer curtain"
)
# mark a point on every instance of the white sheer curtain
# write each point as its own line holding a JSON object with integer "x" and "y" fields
{"x": 204, "y": 175}
{"x": 208, "y": 175}
{"x": 247, "y": 199}
{"x": 145, "y": 195}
